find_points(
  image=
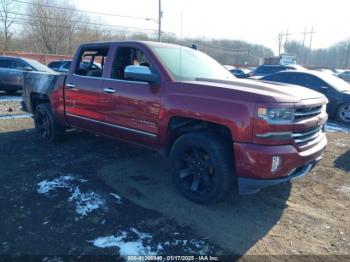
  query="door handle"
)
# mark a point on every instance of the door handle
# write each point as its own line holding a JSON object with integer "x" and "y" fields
{"x": 109, "y": 90}
{"x": 72, "y": 87}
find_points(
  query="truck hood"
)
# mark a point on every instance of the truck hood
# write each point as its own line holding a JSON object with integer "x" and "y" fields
{"x": 280, "y": 93}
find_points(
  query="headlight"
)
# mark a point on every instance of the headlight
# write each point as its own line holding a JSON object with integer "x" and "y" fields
{"x": 276, "y": 115}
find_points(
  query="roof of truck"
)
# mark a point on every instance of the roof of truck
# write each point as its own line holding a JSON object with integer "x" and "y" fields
{"x": 147, "y": 43}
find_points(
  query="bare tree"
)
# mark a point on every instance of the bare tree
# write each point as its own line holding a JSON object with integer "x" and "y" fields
{"x": 7, "y": 19}
{"x": 53, "y": 28}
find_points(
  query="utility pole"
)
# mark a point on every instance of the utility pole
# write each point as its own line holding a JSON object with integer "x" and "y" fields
{"x": 347, "y": 54}
{"x": 303, "y": 51}
{"x": 160, "y": 14}
{"x": 280, "y": 40}
{"x": 310, "y": 43}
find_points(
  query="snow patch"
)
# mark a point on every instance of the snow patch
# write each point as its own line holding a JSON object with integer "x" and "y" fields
{"x": 117, "y": 197}
{"x": 345, "y": 190}
{"x": 16, "y": 116}
{"x": 46, "y": 186}
{"x": 85, "y": 202}
{"x": 126, "y": 246}
{"x": 10, "y": 98}
{"x": 332, "y": 127}
{"x": 192, "y": 246}
{"x": 142, "y": 245}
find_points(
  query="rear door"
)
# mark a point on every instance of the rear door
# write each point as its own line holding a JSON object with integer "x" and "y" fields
{"x": 131, "y": 108}
{"x": 83, "y": 89}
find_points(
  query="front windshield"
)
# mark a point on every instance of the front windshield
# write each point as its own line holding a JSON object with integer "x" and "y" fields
{"x": 38, "y": 66}
{"x": 336, "y": 82}
{"x": 189, "y": 64}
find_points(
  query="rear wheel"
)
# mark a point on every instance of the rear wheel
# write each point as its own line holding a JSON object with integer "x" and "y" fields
{"x": 46, "y": 125}
{"x": 203, "y": 167}
{"x": 343, "y": 113}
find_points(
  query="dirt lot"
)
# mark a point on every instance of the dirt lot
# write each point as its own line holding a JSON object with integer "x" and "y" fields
{"x": 95, "y": 196}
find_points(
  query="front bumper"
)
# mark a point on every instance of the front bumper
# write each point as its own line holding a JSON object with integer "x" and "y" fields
{"x": 249, "y": 186}
{"x": 253, "y": 164}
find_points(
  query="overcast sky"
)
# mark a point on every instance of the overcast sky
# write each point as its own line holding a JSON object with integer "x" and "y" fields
{"x": 256, "y": 21}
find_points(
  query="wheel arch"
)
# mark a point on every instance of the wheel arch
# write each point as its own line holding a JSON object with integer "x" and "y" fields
{"x": 178, "y": 125}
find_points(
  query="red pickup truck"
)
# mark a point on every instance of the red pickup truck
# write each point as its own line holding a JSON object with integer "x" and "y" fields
{"x": 219, "y": 132}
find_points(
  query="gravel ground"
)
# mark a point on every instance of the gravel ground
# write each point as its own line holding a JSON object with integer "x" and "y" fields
{"x": 94, "y": 196}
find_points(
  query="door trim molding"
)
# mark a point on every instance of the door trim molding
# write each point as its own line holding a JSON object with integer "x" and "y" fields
{"x": 136, "y": 131}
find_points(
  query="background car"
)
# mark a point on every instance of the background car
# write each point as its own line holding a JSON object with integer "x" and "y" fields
{"x": 327, "y": 71}
{"x": 11, "y": 72}
{"x": 270, "y": 69}
{"x": 229, "y": 67}
{"x": 63, "y": 65}
{"x": 241, "y": 72}
{"x": 345, "y": 76}
{"x": 335, "y": 89}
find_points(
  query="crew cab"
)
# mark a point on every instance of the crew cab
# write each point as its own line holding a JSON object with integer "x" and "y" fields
{"x": 218, "y": 131}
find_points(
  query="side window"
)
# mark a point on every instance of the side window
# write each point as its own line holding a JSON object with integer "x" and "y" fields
{"x": 318, "y": 83}
{"x": 66, "y": 65}
{"x": 5, "y": 63}
{"x": 54, "y": 64}
{"x": 289, "y": 78}
{"x": 88, "y": 59}
{"x": 310, "y": 81}
{"x": 127, "y": 56}
{"x": 19, "y": 65}
{"x": 273, "y": 77}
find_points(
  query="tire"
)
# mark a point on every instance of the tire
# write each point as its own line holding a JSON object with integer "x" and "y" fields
{"x": 343, "y": 113}
{"x": 45, "y": 124}
{"x": 203, "y": 167}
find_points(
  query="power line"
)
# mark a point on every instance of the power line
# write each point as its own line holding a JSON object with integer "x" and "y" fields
{"x": 81, "y": 11}
{"x": 28, "y": 22}
{"x": 89, "y": 23}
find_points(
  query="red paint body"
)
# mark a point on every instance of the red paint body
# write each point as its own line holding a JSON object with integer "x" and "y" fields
{"x": 149, "y": 108}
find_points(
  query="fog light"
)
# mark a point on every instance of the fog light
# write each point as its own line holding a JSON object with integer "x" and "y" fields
{"x": 276, "y": 162}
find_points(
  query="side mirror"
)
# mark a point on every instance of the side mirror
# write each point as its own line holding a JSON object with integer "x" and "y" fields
{"x": 27, "y": 68}
{"x": 140, "y": 73}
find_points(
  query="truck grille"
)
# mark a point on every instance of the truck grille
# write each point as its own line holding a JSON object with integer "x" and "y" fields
{"x": 306, "y": 112}
{"x": 305, "y": 137}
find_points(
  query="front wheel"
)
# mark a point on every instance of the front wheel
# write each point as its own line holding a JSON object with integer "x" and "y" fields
{"x": 203, "y": 167}
{"x": 45, "y": 124}
{"x": 343, "y": 113}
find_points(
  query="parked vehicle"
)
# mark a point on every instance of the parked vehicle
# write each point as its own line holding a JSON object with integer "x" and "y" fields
{"x": 270, "y": 69}
{"x": 327, "y": 71}
{"x": 335, "y": 89}
{"x": 345, "y": 76}
{"x": 11, "y": 72}
{"x": 338, "y": 71}
{"x": 219, "y": 132}
{"x": 229, "y": 67}
{"x": 241, "y": 72}
{"x": 63, "y": 65}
